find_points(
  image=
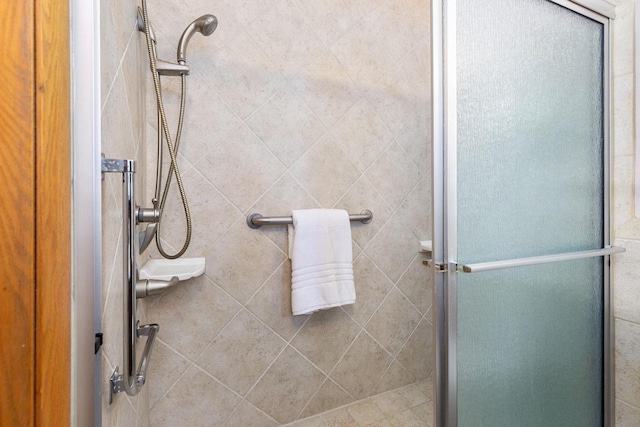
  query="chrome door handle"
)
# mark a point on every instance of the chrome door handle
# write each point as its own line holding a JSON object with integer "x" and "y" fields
{"x": 544, "y": 259}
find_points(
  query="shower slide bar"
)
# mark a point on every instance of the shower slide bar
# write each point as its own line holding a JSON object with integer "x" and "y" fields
{"x": 255, "y": 220}
{"x": 521, "y": 262}
{"x": 133, "y": 377}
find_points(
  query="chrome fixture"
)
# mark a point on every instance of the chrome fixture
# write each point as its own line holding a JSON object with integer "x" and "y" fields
{"x": 132, "y": 377}
{"x": 148, "y": 287}
{"x": 164, "y": 68}
{"x": 255, "y": 220}
{"x": 204, "y": 25}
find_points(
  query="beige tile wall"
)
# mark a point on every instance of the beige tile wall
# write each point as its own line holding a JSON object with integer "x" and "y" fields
{"x": 626, "y": 226}
{"x": 123, "y": 127}
{"x": 294, "y": 104}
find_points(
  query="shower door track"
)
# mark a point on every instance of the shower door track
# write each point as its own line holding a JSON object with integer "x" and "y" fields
{"x": 444, "y": 167}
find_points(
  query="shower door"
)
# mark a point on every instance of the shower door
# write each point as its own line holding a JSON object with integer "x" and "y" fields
{"x": 521, "y": 122}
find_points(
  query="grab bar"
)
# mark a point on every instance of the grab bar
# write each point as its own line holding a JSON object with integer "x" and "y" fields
{"x": 133, "y": 377}
{"x": 255, "y": 220}
{"x": 521, "y": 262}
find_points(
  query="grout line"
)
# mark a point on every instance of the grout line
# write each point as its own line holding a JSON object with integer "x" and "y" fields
{"x": 265, "y": 372}
{"x": 297, "y": 417}
{"x": 628, "y": 404}
{"x": 633, "y": 322}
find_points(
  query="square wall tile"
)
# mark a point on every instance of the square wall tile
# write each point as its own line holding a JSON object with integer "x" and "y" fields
{"x": 242, "y": 75}
{"x": 241, "y": 352}
{"x": 416, "y": 284}
{"x": 327, "y": 89}
{"x": 286, "y": 126}
{"x": 284, "y": 35}
{"x": 395, "y": 377}
{"x": 166, "y": 368}
{"x": 359, "y": 52}
{"x": 211, "y": 215}
{"x": 285, "y": 196}
{"x": 241, "y": 168}
{"x": 329, "y": 396}
{"x": 394, "y": 322}
{"x": 326, "y": 172}
{"x": 272, "y": 304}
{"x": 417, "y": 354}
{"x": 286, "y": 387}
{"x": 208, "y": 119}
{"x": 626, "y": 276}
{"x": 393, "y": 248}
{"x": 362, "y": 134}
{"x": 372, "y": 286}
{"x": 362, "y": 195}
{"x": 361, "y": 367}
{"x": 194, "y": 398}
{"x": 192, "y": 314}
{"x": 242, "y": 260}
{"x": 394, "y": 175}
{"x": 623, "y": 39}
{"x": 627, "y": 362}
{"x": 248, "y": 415}
{"x": 331, "y": 18}
{"x": 627, "y": 415}
{"x": 325, "y": 337}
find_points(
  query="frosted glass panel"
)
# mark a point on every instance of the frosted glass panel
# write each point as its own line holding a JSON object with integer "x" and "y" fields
{"x": 530, "y": 346}
{"x": 530, "y": 130}
{"x": 529, "y": 182}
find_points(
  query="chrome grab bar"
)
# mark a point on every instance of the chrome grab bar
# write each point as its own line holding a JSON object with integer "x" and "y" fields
{"x": 521, "y": 262}
{"x": 133, "y": 377}
{"x": 255, "y": 220}
{"x": 150, "y": 331}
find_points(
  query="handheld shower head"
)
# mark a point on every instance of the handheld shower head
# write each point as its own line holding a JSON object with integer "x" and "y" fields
{"x": 204, "y": 25}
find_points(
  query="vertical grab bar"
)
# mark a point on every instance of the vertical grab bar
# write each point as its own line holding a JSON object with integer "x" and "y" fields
{"x": 133, "y": 376}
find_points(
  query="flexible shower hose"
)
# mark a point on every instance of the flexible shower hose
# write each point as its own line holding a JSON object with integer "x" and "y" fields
{"x": 172, "y": 148}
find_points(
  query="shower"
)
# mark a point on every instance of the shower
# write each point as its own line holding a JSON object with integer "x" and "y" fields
{"x": 204, "y": 25}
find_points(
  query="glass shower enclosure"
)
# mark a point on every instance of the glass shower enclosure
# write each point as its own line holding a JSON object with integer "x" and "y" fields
{"x": 521, "y": 196}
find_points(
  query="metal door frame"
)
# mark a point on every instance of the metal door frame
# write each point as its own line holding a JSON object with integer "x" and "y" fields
{"x": 443, "y": 27}
{"x": 86, "y": 366}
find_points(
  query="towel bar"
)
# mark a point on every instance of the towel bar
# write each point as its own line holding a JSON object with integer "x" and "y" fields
{"x": 255, "y": 220}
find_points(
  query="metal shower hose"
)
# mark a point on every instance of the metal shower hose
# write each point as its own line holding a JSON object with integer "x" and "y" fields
{"x": 173, "y": 149}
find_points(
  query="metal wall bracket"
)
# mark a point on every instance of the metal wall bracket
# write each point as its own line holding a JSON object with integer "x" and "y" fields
{"x": 117, "y": 165}
{"x": 439, "y": 268}
{"x": 117, "y": 384}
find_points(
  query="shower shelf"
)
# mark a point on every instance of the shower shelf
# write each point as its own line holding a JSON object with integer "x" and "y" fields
{"x": 166, "y": 269}
{"x": 426, "y": 246}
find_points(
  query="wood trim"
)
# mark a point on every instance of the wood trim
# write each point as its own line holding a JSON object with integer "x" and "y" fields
{"x": 53, "y": 215}
{"x": 17, "y": 198}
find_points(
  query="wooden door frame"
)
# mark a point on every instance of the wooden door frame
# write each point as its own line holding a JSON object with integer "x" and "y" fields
{"x": 47, "y": 345}
{"x": 52, "y": 213}
{"x": 37, "y": 213}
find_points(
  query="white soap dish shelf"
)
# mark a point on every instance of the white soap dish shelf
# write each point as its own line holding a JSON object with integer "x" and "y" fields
{"x": 166, "y": 269}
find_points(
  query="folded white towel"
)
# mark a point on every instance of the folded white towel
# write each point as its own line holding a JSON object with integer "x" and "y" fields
{"x": 321, "y": 260}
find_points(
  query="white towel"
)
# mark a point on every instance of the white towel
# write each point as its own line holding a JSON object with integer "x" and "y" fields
{"x": 321, "y": 260}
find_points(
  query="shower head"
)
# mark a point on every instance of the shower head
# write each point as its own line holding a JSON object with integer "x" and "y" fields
{"x": 204, "y": 25}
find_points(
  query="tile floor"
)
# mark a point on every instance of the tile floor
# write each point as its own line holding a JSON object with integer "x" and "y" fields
{"x": 409, "y": 406}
